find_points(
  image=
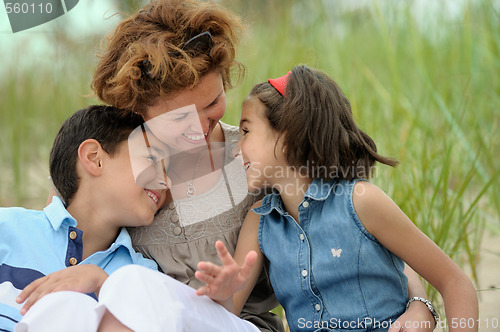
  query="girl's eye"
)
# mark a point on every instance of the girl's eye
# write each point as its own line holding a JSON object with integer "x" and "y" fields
{"x": 244, "y": 131}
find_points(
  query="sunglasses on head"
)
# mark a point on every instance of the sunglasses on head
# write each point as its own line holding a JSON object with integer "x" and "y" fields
{"x": 202, "y": 43}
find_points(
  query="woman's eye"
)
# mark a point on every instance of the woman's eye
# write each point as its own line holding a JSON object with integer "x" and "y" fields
{"x": 244, "y": 131}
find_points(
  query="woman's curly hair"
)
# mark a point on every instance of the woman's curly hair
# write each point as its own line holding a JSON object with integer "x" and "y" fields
{"x": 144, "y": 58}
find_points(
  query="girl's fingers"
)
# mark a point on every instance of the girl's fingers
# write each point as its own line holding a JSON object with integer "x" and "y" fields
{"x": 204, "y": 277}
{"x": 209, "y": 268}
{"x": 249, "y": 263}
{"x": 224, "y": 255}
{"x": 204, "y": 290}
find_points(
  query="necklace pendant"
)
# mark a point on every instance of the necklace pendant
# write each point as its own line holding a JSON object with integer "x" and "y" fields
{"x": 191, "y": 190}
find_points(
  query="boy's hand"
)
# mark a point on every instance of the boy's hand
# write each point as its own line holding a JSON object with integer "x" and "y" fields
{"x": 223, "y": 281}
{"x": 85, "y": 278}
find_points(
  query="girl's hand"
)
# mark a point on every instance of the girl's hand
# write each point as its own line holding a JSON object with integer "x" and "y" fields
{"x": 223, "y": 281}
{"x": 417, "y": 318}
{"x": 85, "y": 278}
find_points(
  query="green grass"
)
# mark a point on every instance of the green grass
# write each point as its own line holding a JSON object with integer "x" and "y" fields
{"x": 431, "y": 100}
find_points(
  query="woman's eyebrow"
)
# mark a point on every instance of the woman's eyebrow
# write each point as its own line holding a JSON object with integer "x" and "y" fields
{"x": 216, "y": 99}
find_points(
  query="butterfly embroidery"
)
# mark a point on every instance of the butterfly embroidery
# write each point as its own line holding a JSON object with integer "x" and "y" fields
{"x": 337, "y": 252}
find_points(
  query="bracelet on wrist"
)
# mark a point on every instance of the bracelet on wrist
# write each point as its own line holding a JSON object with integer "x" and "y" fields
{"x": 429, "y": 306}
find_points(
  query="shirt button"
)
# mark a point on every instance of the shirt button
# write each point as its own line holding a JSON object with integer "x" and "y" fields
{"x": 305, "y": 204}
{"x": 73, "y": 261}
{"x": 317, "y": 307}
{"x": 304, "y": 273}
{"x": 72, "y": 235}
{"x": 174, "y": 218}
{"x": 177, "y": 230}
{"x": 171, "y": 205}
{"x": 302, "y": 237}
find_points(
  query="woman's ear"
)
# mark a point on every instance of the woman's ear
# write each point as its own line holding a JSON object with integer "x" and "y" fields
{"x": 90, "y": 154}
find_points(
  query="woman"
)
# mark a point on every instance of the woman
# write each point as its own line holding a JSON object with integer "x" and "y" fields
{"x": 169, "y": 55}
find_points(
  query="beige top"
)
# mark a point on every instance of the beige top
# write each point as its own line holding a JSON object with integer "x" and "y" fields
{"x": 185, "y": 231}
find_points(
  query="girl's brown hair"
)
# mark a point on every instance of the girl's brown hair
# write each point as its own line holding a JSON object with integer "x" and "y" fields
{"x": 145, "y": 56}
{"x": 317, "y": 128}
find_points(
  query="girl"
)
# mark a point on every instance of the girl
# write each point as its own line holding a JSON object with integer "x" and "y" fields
{"x": 335, "y": 242}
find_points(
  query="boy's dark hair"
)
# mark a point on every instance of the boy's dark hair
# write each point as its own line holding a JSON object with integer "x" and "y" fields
{"x": 108, "y": 125}
{"x": 315, "y": 122}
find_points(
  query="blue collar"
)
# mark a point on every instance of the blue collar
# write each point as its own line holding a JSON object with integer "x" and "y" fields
{"x": 123, "y": 240}
{"x": 319, "y": 190}
{"x": 57, "y": 214}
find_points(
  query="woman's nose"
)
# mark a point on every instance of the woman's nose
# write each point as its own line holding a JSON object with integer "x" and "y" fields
{"x": 204, "y": 123}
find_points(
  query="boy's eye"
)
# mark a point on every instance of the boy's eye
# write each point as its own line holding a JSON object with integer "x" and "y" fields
{"x": 152, "y": 158}
{"x": 181, "y": 117}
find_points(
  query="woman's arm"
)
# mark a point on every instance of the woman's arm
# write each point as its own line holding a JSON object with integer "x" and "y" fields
{"x": 231, "y": 284}
{"x": 393, "y": 229}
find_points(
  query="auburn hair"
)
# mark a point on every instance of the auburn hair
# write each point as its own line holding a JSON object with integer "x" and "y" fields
{"x": 144, "y": 57}
{"x": 315, "y": 123}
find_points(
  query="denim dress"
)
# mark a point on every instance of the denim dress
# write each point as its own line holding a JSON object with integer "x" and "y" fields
{"x": 328, "y": 272}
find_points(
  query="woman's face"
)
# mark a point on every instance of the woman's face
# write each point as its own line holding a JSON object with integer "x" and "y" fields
{"x": 185, "y": 120}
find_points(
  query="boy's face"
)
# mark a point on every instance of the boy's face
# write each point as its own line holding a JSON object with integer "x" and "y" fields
{"x": 136, "y": 179}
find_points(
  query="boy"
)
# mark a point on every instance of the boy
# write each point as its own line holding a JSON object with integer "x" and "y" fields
{"x": 108, "y": 181}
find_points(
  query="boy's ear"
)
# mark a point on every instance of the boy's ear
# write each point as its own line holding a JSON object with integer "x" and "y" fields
{"x": 90, "y": 154}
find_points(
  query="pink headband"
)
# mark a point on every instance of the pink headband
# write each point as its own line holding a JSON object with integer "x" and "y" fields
{"x": 279, "y": 83}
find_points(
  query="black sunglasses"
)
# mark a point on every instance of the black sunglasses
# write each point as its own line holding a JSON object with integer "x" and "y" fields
{"x": 201, "y": 43}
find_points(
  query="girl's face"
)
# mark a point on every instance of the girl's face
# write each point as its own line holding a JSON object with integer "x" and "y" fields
{"x": 263, "y": 160}
{"x": 185, "y": 120}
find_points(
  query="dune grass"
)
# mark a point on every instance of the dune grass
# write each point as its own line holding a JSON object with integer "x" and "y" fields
{"x": 428, "y": 97}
